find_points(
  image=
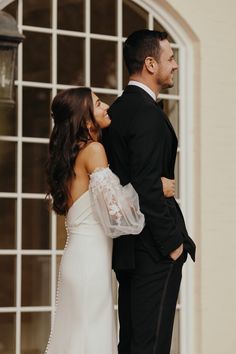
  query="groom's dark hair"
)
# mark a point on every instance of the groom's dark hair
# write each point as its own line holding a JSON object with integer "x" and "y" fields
{"x": 140, "y": 45}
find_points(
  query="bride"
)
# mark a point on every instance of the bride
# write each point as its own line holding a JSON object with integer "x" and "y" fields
{"x": 96, "y": 208}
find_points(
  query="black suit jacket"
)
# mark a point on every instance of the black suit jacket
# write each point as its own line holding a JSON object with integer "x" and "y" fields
{"x": 141, "y": 146}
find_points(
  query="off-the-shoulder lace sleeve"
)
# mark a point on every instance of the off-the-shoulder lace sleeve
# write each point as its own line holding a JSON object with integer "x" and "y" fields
{"x": 116, "y": 207}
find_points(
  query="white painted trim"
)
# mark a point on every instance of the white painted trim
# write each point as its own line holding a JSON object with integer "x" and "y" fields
{"x": 31, "y": 252}
{"x": 8, "y": 195}
{"x": 53, "y": 217}
{"x": 22, "y": 195}
{"x": 36, "y": 196}
{"x": 26, "y": 309}
{"x": 189, "y": 204}
{"x": 119, "y": 47}
{"x": 87, "y": 43}
{"x": 19, "y": 188}
{"x": 97, "y": 89}
{"x": 24, "y": 139}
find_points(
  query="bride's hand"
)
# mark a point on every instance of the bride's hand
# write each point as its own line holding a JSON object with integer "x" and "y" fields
{"x": 168, "y": 187}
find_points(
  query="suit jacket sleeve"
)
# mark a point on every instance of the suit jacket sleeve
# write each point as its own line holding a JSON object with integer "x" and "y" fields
{"x": 148, "y": 144}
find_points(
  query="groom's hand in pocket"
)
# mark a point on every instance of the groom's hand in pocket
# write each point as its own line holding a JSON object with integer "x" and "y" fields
{"x": 177, "y": 253}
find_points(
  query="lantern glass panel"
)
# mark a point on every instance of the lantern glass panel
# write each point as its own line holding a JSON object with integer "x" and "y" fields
{"x": 7, "y": 63}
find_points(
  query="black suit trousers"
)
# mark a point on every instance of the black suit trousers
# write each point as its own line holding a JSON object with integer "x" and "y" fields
{"x": 147, "y": 303}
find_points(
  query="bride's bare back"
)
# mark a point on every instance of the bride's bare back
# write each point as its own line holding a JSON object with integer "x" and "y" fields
{"x": 89, "y": 158}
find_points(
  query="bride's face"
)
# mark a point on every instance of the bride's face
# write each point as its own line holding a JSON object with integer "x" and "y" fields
{"x": 100, "y": 112}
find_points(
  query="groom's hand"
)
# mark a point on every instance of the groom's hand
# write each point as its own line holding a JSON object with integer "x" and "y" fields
{"x": 168, "y": 186}
{"x": 177, "y": 253}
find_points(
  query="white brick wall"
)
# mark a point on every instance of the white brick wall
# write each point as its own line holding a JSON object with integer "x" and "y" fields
{"x": 214, "y": 24}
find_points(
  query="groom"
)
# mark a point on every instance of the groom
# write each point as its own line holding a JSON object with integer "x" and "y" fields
{"x": 141, "y": 145}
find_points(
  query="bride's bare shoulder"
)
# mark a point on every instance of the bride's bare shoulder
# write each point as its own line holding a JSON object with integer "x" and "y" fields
{"x": 94, "y": 147}
{"x": 94, "y": 156}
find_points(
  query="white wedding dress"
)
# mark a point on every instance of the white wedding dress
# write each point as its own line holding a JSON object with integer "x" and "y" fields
{"x": 84, "y": 319}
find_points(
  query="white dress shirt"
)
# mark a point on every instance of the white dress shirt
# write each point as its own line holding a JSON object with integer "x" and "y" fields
{"x": 144, "y": 87}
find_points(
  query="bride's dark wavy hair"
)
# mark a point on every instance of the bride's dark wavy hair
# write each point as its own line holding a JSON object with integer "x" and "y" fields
{"x": 71, "y": 110}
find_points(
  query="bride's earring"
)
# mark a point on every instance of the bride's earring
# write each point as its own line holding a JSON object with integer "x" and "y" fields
{"x": 89, "y": 128}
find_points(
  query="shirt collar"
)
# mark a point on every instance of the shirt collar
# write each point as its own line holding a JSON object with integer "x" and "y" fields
{"x": 144, "y": 87}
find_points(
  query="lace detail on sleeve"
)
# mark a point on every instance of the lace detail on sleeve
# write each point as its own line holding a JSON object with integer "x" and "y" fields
{"x": 116, "y": 207}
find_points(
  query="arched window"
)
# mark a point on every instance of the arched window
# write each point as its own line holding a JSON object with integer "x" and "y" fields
{"x": 68, "y": 43}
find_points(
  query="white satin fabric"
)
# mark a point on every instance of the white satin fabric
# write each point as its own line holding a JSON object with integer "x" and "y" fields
{"x": 84, "y": 318}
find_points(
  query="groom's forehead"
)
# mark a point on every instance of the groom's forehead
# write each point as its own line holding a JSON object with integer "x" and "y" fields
{"x": 166, "y": 49}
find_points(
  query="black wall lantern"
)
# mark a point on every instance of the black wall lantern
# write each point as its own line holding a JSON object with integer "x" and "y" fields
{"x": 10, "y": 37}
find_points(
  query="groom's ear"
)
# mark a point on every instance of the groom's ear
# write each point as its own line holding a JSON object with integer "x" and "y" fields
{"x": 150, "y": 65}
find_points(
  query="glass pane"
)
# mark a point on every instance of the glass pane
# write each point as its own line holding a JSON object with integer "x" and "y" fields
{"x": 159, "y": 27}
{"x": 36, "y": 122}
{"x": 61, "y": 232}
{"x": 104, "y": 17}
{"x": 71, "y": 67}
{"x": 175, "y": 89}
{"x": 7, "y": 56}
{"x": 7, "y": 280}
{"x": 171, "y": 108}
{"x": 134, "y": 17}
{"x": 37, "y": 225}
{"x": 71, "y": 15}
{"x": 8, "y": 223}
{"x": 175, "y": 348}
{"x": 7, "y": 333}
{"x": 7, "y": 166}
{"x": 125, "y": 75}
{"x": 103, "y": 64}
{"x": 37, "y": 57}
{"x": 34, "y": 161}
{"x": 36, "y": 280}
{"x": 8, "y": 114}
{"x": 37, "y": 13}
{"x": 35, "y": 330}
{"x": 108, "y": 99}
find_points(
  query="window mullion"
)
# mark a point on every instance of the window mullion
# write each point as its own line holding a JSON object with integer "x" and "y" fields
{"x": 119, "y": 47}
{"x": 87, "y": 44}
{"x": 19, "y": 186}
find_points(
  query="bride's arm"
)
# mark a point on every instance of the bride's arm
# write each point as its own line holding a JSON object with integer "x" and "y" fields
{"x": 116, "y": 207}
